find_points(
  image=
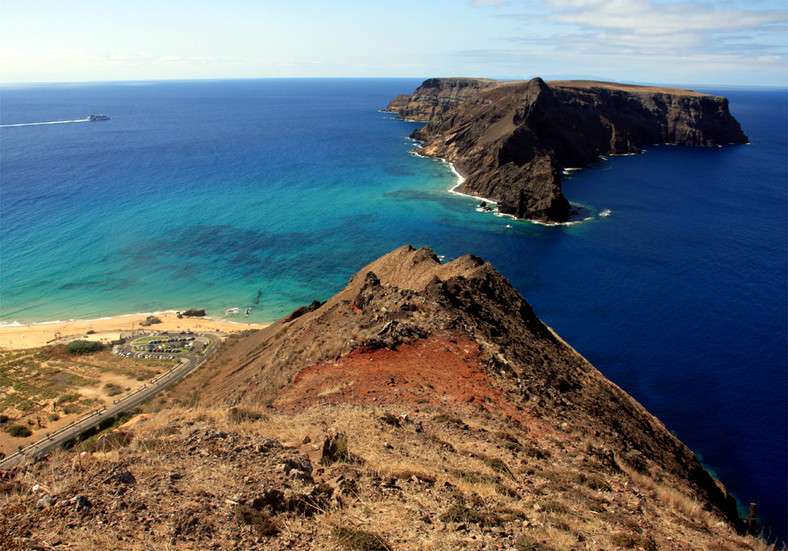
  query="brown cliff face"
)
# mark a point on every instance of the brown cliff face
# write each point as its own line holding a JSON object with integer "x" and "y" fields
{"x": 406, "y": 323}
{"x": 512, "y": 140}
{"x": 436, "y": 96}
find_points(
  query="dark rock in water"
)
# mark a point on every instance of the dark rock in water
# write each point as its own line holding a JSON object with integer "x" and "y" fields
{"x": 752, "y": 520}
{"x": 194, "y": 313}
{"x": 512, "y": 140}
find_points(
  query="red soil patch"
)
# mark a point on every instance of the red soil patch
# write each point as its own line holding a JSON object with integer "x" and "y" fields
{"x": 446, "y": 371}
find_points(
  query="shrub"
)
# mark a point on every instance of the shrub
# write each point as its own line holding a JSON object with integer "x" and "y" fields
{"x": 497, "y": 465}
{"x": 630, "y": 541}
{"x": 77, "y": 348}
{"x": 526, "y": 543}
{"x": 507, "y": 436}
{"x": 260, "y": 521}
{"x": 70, "y": 397}
{"x": 359, "y": 540}
{"x": 555, "y": 507}
{"x": 4, "y": 418}
{"x": 238, "y": 415}
{"x": 112, "y": 389}
{"x": 19, "y": 431}
{"x": 390, "y": 419}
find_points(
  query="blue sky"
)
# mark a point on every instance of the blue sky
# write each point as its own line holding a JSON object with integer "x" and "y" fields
{"x": 719, "y": 42}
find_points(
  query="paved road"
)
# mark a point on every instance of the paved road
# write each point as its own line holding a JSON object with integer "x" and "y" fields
{"x": 188, "y": 363}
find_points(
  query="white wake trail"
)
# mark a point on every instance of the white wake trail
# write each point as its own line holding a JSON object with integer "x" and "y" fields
{"x": 42, "y": 123}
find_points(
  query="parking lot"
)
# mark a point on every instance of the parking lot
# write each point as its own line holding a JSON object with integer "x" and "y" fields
{"x": 164, "y": 346}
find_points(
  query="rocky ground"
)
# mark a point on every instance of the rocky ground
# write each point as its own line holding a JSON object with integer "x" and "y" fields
{"x": 424, "y": 407}
{"x": 347, "y": 477}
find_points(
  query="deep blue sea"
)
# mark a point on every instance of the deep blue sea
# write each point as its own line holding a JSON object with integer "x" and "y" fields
{"x": 202, "y": 194}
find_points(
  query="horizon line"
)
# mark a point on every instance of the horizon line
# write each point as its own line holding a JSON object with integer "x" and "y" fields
{"x": 7, "y": 84}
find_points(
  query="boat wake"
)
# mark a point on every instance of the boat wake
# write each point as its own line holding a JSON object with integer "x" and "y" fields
{"x": 41, "y": 123}
{"x": 86, "y": 119}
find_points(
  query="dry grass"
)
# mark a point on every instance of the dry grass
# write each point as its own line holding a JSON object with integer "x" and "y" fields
{"x": 410, "y": 491}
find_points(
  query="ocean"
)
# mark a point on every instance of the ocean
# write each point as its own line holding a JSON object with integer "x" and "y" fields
{"x": 210, "y": 194}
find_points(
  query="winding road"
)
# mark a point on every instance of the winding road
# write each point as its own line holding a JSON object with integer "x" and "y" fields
{"x": 188, "y": 363}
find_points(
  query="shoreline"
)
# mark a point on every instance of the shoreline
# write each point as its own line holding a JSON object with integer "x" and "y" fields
{"x": 17, "y": 336}
{"x": 494, "y": 209}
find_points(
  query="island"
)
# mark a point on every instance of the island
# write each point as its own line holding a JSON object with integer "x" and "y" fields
{"x": 512, "y": 141}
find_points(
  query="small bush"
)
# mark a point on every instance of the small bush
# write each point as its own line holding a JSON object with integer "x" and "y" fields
{"x": 77, "y": 348}
{"x": 359, "y": 540}
{"x": 390, "y": 419}
{"x": 54, "y": 416}
{"x": 474, "y": 477}
{"x": 19, "y": 431}
{"x": 448, "y": 419}
{"x": 238, "y": 415}
{"x": 497, "y": 465}
{"x": 597, "y": 483}
{"x": 112, "y": 389}
{"x": 507, "y": 437}
{"x": 442, "y": 443}
{"x": 421, "y": 476}
{"x": 631, "y": 541}
{"x": 260, "y": 521}
{"x": 4, "y": 418}
{"x": 70, "y": 397}
{"x": 461, "y": 512}
{"x": 536, "y": 453}
{"x": 555, "y": 507}
{"x": 526, "y": 543}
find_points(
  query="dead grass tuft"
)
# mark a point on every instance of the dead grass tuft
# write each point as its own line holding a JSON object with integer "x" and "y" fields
{"x": 259, "y": 521}
{"x": 349, "y": 537}
{"x": 633, "y": 541}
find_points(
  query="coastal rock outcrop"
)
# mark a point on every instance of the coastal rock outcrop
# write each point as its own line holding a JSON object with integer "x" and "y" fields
{"x": 511, "y": 141}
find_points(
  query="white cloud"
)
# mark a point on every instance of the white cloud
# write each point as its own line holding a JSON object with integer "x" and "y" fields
{"x": 649, "y": 18}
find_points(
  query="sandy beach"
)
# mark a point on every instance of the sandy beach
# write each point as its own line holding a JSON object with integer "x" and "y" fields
{"x": 108, "y": 329}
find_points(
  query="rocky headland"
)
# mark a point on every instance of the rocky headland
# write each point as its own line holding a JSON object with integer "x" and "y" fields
{"x": 425, "y": 406}
{"x": 511, "y": 141}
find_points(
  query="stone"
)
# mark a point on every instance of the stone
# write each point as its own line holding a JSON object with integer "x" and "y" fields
{"x": 123, "y": 477}
{"x": 82, "y": 503}
{"x": 45, "y": 501}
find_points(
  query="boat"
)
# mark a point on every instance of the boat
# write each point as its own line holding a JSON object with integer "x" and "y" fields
{"x": 98, "y": 118}
{"x": 231, "y": 311}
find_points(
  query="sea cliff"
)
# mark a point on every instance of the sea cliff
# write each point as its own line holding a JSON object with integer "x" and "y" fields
{"x": 512, "y": 141}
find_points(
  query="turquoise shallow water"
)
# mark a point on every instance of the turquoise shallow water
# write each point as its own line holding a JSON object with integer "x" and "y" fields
{"x": 202, "y": 194}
